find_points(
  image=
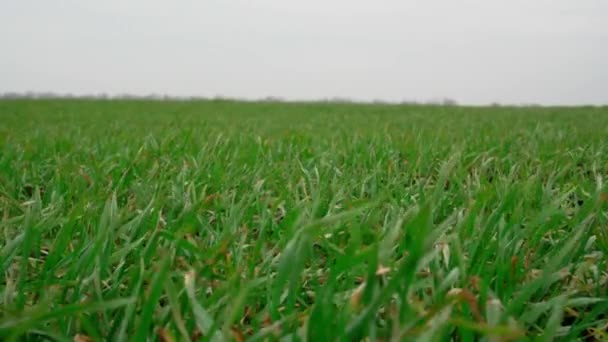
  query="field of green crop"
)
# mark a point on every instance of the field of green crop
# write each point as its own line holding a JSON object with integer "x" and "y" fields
{"x": 220, "y": 220}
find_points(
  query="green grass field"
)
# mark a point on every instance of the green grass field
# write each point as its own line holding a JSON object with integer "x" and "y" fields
{"x": 220, "y": 220}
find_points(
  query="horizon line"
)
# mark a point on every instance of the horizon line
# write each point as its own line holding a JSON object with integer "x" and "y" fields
{"x": 438, "y": 101}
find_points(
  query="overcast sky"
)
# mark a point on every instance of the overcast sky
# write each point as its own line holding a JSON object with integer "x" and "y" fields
{"x": 475, "y": 51}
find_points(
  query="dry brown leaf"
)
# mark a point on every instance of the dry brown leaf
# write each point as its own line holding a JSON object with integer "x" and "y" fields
{"x": 475, "y": 281}
{"x": 247, "y": 313}
{"x": 238, "y": 335}
{"x": 455, "y": 292}
{"x": 355, "y": 298}
{"x": 82, "y": 338}
{"x": 571, "y": 312}
{"x": 189, "y": 278}
{"x": 210, "y": 198}
{"x": 267, "y": 321}
{"x": 196, "y": 335}
{"x": 469, "y": 298}
{"x": 514, "y": 262}
{"x": 164, "y": 335}
{"x": 86, "y": 176}
{"x": 382, "y": 270}
{"x": 533, "y": 274}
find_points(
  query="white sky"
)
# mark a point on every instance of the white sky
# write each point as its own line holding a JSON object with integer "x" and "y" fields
{"x": 475, "y": 51}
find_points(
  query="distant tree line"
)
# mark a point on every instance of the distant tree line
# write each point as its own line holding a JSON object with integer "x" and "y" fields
{"x": 160, "y": 97}
{"x": 100, "y": 96}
